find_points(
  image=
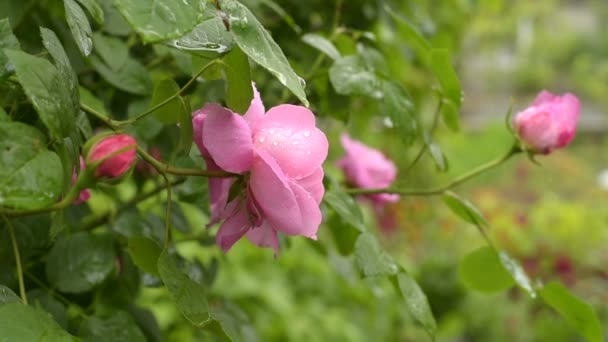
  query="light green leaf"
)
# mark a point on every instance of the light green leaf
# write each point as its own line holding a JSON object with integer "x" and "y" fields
{"x": 350, "y": 76}
{"x": 94, "y": 9}
{"x": 411, "y": 34}
{"x": 162, "y": 19}
{"x": 189, "y": 296}
{"x": 416, "y": 302}
{"x": 8, "y": 296}
{"x": 258, "y": 44}
{"x": 439, "y": 158}
{"x": 132, "y": 77}
{"x": 47, "y": 89}
{"x": 518, "y": 273}
{"x": 208, "y": 39}
{"x": 322, "y": 44}
{"x": 239, "y": 92}
{"x": 20, "y": 322}
{"x": 186, "y": 130}
{"x": 482, "y": 270}
{"x": 172, "y": 111}
{"x": 145, "y": 253}
{"x": 3, "y": 116}
{"x": 30, "y": 176}
{"x": 450, "y": 114}
{"x": 230, "y": 323}
{"x": 90, "y": 100}
{"x": 371, "y": 259}
{"x": 346, "y": 207}
{"x": 576, "y": 312}
{"x": 399, "y": 107}
{"x": 7, "y": 40}
{"x": 80, "y": 261}
{"x": 441, "y": 64}
{"x": 119, "y": 327}
{"x": 79, "y": 25}
{"x": 464, "y": 209}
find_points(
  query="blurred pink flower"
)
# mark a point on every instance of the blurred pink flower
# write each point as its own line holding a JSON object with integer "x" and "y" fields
{"x": 280, "y": 152}
{"x": 115, "y": 165}
{"x": 367, "y": 168}
{"x": 84, "y": 194}
{"x": 549, "y": 123}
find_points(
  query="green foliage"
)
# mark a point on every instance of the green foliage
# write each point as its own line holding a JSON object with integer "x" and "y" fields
{"x": 483, "y": 271}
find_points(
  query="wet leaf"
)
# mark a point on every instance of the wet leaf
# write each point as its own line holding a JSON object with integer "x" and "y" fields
{"x": 8, "y": 296}
{"x": 322, "y": 44}
{"x": 208, "y": 39}
{"x": 119, "y": 327}
{"x": 7, "y": 40}
{"x": 132, "y": 76}
{"x": 94, "y": 9}
{"x": 350, "y": 76}
{"x": 20, "y": 322}
{"x": 416, "y": 302}
{"x": 483, "y": 271}
{"x": 464, "y": 209}
{"x": 371, "y": 259}
{"x": 79, "y": 25}
{"x": 399, "y": 107}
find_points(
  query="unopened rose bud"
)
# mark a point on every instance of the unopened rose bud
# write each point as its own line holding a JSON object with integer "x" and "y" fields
{"x": 112, "y": 156}
{"x": 549, "y": 123}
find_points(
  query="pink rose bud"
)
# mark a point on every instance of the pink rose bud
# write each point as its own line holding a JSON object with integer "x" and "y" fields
{"x": 84, "y": 194}
{"x": 117, "y": 155}
{"x": 367, "y": 168}
{"x": 549, "y": 123}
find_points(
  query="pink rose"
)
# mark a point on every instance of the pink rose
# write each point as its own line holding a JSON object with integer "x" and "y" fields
{"x": 115, "y": 163}
{"x": 280, "y": 153}
{"x": 367, "y": 168}
{"x": 84, "y": 194}
{"x": 549, "y": 123}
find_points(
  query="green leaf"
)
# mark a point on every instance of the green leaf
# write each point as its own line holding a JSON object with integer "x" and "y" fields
{"x": 346, "y": 207}
{"x": 411, "y": 34}
{"x": 322, "y": 44}
{"x": 186, "y": 130}
{"x": 239, "y": 92}
{"x": 438, "y": 157}
{"x": 30, "y": 176}
{"x": 518, "y": 273}
{"x": 441, "y": 64}
{"x": 94, "y": 9}
{"x": 415, "y": 302}
{"x": 345, "y": 235}
{"x": 132, "y": 77}
{"x": 47, "y": 89}
{"x": 231, "y": 323}
{"x": 80, "y": 261}
{"x": 8, "y": 296}
{"x": 172, "y": 111}
{"x": 208, "y": 39}
{"x": 482, "y": 270}
{"x": 576, "y": 312}
{"x": 145, "y": 253}
{"x": 189, "y": 296}
{"x": 42, "y": 299}
{"x": 119, "y": 327}
{"x": 3, "y": 116}
{"x": 90, "y": 100}
{"x": 464, "y": 209}
{"x": 20, "y": 322}
{"x": 162, "y": 19}
{"x": 79, "y": 25}
{"x": 371, "y": 259}
{"x": 350, "y": 76}
{"x": 113, "y": 51}
{"x": 258, "y": 44}
{"x": 7, "y": 40}
{"x": 399, "y": 107}
{"x": 450, "y": 114}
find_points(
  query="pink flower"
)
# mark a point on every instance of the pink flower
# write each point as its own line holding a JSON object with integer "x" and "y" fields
{"x": 115, "y": 163}
{"x": 549, "y": 123}
{"x": 279, "y": 153}
{"x": 367, "y": 168}
{"x": 84, "y": 194}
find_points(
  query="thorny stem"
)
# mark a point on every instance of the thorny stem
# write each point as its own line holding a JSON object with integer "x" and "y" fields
{"x": 11, "y": 231}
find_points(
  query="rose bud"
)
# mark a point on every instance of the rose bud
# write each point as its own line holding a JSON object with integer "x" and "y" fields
{"x": 549, "y": 123}
{"x": 112, "y": 156}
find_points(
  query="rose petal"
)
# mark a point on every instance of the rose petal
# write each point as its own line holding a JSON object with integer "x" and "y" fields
{"x": 309, "y": 211}
{"x": 272, "y": 193}
{"x": 256, "y": 109}
{"x": 264, "y": 236}
{"x": 219, "y": 189}
{"x": 289, "y": 134}
{"x": 233, "y": 229}
{"x": 544, "y": 97}
{"x": 313, "y": 183}
{"x": 227, "y": 137}
{"x": 198, "y": 121}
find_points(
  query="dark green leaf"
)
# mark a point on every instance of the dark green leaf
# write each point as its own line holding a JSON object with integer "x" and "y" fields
{"x": 45, "y": 301}
{"x": 346, "y": 207}
{"x": 113, "y": 51}
{"x": 350, "y": 76}
{"x": 3, "y": 116}
{"x": 132, "y": 77}
{"x": 30, "y": 176}
{"x": 84, "y": 125}
{"x": 79, "y": 25}
{"x": 322, "y": 44}
{"x": 231, "y": 323}
{"x": 8, "y": 296}
{"x": 172, "y": 111}
{"x": 345, "y": 235}
{"x": 114, "y": 23}
{"x": 47, "y": 89}
{"x": 62, "y": 62}
{"x": 80, "y": 261}
{"x": 189, "y": 296}
{"x": 7, "y": 40}
{"x": 576, "y": 312}
{"x": 145, "y": 253}
{"x": 119, "y": 327}
{"x": 19, "y": 322}
{"x": 371, "y": 259}
{"x": 58, "y": 223}
{"x": 94, "y": 9}
{"x": 483, "y": 271}
{"x": 416, "y": 302}
{"x": 239, "y": 92}
{"x": 464, "y": 209}
{"x": 258, "y": 44}
{"x": 441, "y": 64}
{"x": 400, "y": 109}
{"x": 185, "y": 127}
{"x": 208, "y": 39}
{"x": 162, "y": 19}
{"x": 91, "y": 101}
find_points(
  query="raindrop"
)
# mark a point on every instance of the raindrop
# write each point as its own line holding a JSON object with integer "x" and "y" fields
{"x": 274, "y": 143}
{"x": 306, "y": 133}
{"x": 302, "y": 82}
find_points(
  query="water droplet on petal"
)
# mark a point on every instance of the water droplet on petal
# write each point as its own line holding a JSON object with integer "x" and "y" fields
{"x": 306, "y": 133}
{"x": 274, "y": 143}
{"x": 262, "y": 139}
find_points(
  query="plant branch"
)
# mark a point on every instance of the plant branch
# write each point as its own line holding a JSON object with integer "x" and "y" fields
{"x": 441, "y": 189}
{"x": 11, "y": 231}
{"x": 164, "y": 168}
{"x": 168, "y": 212}
{"x": 424, "y": 147}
